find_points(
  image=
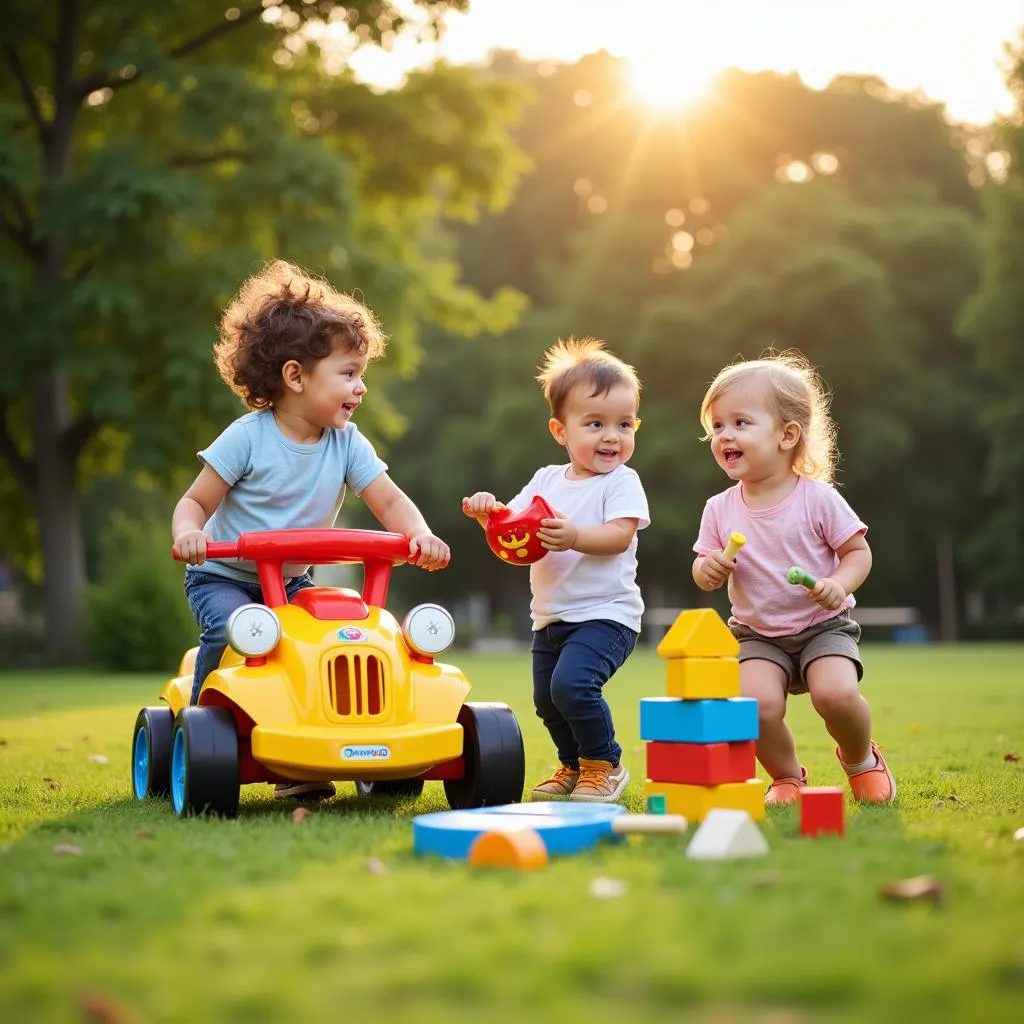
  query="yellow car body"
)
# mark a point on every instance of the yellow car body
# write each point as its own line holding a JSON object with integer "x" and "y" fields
{"x": 323, "y": 706}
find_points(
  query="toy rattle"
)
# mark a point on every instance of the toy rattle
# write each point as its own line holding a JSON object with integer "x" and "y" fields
{"x": 798, "y": 577}
{"x": 512, "y": 536}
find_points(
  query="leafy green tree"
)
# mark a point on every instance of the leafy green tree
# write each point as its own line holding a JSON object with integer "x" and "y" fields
{"x": 150, "y": 155}
{"x": 994, "y": 323}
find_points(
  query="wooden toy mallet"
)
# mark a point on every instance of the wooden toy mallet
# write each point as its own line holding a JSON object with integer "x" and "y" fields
{"x": 798, "y": 577}
{"x": 736, "y": 541}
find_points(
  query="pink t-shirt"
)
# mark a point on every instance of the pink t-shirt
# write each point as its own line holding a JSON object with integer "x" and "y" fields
{"x": 802, "y": 530}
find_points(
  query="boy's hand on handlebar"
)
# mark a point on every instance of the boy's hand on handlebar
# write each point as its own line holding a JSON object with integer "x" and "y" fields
{"x": 428, "y": 552}
{"x": 715, "y": 569}
{"x": 190, "y": 547}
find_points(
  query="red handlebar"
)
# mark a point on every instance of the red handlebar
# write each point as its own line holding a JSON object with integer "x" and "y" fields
{"x": 270, "y": 549}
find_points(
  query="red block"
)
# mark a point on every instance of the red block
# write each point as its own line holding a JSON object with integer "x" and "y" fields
{"x": 700, "y": 764}
{"x": 821, "y": 810}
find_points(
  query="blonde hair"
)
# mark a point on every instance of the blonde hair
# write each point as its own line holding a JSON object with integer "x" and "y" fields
{"x": 796, "y": 393}
{"x": 582, "y": 361}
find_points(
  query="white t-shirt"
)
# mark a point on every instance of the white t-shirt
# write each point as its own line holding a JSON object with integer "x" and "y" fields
{"x": 568, "y": 586}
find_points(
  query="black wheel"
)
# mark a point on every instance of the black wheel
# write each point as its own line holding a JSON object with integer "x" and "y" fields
{"x": 151, "y": 752}
{"x": 204, "y": 762}
{"x": 390, "y": 787}
{"x": 492, "y": 749}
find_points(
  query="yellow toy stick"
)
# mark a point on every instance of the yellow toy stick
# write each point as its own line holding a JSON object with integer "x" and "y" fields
{"x": 651, "y": 824}
{"x": 736, "y": 541}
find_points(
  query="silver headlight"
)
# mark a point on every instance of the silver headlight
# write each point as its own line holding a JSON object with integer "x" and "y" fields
{"x": 428, "y": 629}
{"x": 253, "y": 630}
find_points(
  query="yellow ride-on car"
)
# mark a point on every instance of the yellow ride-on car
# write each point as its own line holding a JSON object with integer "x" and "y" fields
{"x": 327, "y": 686}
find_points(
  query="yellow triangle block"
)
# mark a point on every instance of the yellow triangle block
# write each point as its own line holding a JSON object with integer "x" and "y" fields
{"x": 703, "y": 678}
{"x": 694, "y": 802}
{"x": 699, "y": 633}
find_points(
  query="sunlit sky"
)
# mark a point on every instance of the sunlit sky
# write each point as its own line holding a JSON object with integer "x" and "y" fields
{"x": 952, "y": 51}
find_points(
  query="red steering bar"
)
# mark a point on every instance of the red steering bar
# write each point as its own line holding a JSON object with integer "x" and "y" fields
{"x": 270, "y": 549}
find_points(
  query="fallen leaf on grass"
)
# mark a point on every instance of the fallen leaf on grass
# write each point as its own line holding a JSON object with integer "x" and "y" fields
{"x": 376, "y": 866}
{"x": 939, "y": 804}
{"x": 101, "y": 1009}
{"x": 69, "y": 848}
{"x": 99, "y": 758}
{"x": 143, "y": 833}
{"x": 607, "y": 888}
{"x": 1011, "y": 757}
{"x": 299, "y": 813}
{"x": 923, "y": 887}
{"x": 52, "y": 783}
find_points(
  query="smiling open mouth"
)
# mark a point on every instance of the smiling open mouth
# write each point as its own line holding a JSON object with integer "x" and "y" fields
{"x": 732, "y": 455}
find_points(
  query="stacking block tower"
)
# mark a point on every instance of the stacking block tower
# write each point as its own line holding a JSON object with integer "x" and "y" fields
{"x": 700, "y": 735}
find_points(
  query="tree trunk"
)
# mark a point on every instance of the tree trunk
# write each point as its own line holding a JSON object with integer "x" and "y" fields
{"x": 57, "y": 512}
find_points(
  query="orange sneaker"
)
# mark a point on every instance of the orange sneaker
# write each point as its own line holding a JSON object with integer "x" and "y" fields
{"x": 876, "y": 785}
{"x": 600, "y": 782}
{"x": 784, "y": 791}
{"x": 558, "y": 786}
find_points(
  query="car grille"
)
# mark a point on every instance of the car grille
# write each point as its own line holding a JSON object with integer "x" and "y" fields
{"x": 358, "y": 685}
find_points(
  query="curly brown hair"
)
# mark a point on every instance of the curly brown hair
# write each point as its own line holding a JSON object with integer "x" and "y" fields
{"x": 280, "y": 314}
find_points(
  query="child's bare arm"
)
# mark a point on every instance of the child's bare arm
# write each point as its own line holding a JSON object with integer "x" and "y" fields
{"x": 611, "y": 538}
{"x": 397, "y": 512}
{"x": 193, "y": 512}
{"x": 854, "y": 565}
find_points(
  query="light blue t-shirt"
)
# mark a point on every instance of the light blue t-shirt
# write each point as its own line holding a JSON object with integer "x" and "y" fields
{"x": 276, "y": 483}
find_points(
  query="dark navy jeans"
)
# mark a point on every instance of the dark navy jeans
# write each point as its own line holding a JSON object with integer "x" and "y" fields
{"x": 213, "y": 598}
{"x": 571, "y": 663}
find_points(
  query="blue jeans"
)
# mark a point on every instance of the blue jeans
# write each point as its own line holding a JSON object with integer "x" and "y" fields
{"x": 571, "y": 663}
{"x": 212, "y": 599}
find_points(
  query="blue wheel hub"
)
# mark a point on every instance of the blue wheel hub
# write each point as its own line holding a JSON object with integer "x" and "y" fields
{"x": 178, "y": 772}
{"x": 140, "y": 765}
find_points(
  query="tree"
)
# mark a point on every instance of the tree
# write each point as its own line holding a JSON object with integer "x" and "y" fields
{"x": 150, "y": 154}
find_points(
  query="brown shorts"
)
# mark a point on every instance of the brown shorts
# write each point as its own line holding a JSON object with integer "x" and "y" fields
{"x": 839, "y": 635}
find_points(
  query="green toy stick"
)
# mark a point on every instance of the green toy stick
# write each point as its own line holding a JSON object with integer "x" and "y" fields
{"x": 804, "y": 579}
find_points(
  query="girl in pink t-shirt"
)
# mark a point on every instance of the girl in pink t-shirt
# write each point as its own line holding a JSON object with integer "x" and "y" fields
{"x": 771, "y": 432}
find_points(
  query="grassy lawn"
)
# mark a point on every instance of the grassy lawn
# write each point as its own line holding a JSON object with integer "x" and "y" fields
{"x": 260, "y": 919}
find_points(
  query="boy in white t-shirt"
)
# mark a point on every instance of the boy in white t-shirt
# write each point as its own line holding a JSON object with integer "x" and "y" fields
{"x": 586, "y": 604}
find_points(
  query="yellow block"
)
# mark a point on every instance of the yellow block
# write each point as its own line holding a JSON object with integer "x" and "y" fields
{"x": 703, "y": 678}
{"x": 694, "y": 802}
{"x": 699, "y": 633}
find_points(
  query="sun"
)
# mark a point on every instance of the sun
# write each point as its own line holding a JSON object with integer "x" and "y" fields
{"x": 669, "y": 83}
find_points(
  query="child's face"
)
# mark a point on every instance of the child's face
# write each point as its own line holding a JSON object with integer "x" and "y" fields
{"x": 747, "y": 438}
{"x": 598, "y": 433}
{"x": 334, "y": 388}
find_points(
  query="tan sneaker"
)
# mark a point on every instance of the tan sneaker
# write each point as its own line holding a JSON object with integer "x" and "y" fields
{"x": 558, "y": 786}
{"x": 308, "y": 790}
{"x": 600, "y": 782}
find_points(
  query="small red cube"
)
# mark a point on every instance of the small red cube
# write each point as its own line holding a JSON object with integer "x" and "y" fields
{"x": 821, "y": 810}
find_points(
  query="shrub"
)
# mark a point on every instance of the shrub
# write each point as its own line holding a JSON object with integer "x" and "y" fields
{"x": 136, "y": 616}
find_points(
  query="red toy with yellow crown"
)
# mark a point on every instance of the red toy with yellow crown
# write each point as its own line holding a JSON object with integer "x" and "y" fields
{"x": 512, "y": 536}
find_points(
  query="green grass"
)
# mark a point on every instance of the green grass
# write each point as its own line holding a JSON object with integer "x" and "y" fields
{"x": 260, "y": 919}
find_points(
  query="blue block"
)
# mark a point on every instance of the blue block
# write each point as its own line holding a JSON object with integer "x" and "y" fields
{"x": 698, "y": 721}
{"x": 564, "y": 827}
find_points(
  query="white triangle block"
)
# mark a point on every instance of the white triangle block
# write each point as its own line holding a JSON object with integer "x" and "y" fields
{"x": 725, "y": 834}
